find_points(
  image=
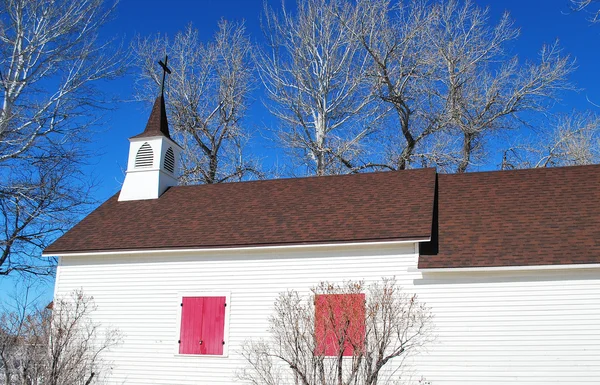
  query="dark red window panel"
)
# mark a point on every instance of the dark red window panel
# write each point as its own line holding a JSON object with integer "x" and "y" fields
{"x": 202, "y": 325}
{"x": 339, "y": 323}
{"x": 191, "y": 322}
{"x": 213, "y": 325}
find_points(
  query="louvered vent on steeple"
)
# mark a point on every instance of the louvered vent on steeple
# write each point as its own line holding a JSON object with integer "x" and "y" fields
{"x": 170, "y": 160}
{"x": 144, "y": 156}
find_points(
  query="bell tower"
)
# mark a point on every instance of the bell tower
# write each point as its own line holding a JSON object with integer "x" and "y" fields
{"x": 153, "y": 161}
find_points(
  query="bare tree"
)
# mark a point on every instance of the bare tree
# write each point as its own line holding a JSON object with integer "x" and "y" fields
{"x": 478, "y": 98}
{"x": 314, "y": 73}
{"x": 50, "y": 60}
{"x": 335, "y": 337}
{"x": 446, "y": 73}
{"x": 393, "y": 36}
{"x": 207, "y": 98}
{"x": 575, "y": 140}
{"x": 53, "y": 346}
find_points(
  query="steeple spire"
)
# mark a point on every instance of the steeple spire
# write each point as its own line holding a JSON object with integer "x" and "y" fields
{"x": 157, "y": 123}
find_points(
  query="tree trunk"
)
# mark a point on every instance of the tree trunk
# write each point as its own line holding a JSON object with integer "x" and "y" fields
{"x": 466, "y": 152}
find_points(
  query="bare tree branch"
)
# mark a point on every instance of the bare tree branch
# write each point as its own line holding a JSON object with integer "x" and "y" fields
{"x": 575, "y": 140}
{"x": 587, "y": 5}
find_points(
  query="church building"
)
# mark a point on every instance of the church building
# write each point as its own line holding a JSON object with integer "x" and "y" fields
{"x": 507, "y": 261}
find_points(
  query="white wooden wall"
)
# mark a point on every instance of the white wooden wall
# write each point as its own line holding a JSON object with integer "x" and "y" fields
{"x": 501, "y": 328}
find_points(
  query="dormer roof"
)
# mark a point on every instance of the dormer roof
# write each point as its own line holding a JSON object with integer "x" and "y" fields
{"x": 157, "y": 123}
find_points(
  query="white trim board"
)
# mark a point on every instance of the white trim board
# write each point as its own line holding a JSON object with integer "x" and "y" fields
{"x": 235, "y": 249}
{"x": 505, "y": 268}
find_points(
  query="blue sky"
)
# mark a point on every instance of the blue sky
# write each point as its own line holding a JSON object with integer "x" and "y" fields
{"x": 540, "y": 21}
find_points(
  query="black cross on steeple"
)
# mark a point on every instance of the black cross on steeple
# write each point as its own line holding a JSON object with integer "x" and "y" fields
{"x": 166, "y": 71}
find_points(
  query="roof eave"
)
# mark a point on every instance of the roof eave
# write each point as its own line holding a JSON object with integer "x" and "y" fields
{"x": 513, "y": 268}
{"x": 268, "y": 247}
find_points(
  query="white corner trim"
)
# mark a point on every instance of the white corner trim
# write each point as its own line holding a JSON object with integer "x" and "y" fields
{"x": 57, "y": 278}
{"x": 506, "y": 268}
{"x": 237, "y": 249}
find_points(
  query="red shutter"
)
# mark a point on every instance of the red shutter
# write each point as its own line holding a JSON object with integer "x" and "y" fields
{"x": 191, "y": 325}
{"x": 322, "y": 326}
{"x": 339, "y": 317}
{"x": 213, "y": 325}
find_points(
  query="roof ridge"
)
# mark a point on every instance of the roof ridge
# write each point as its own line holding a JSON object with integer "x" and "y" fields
{"x": 309, "y": 177}
{"x": 522, "y": 170}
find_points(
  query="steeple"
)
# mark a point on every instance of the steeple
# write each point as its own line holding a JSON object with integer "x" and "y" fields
{"x": 157, "y": 123}
{"x": 153, "y": 156}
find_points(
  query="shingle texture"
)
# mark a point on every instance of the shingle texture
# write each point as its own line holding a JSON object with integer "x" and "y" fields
{"x": 157, "y": 123}
{"x": 353, "y": 208}
{"x": 505, "y": 218}
{"x": 517, "y": 218}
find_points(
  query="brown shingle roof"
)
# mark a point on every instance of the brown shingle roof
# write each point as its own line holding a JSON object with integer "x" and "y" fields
{"x": 517, "y": 218}
{"x": 157, "y": 123}
{"x": 508, "y": 218}
{"x": 352, "y": 208}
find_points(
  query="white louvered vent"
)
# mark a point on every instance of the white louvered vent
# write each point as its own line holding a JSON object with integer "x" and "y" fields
{"x": 170, "y": 160}
{"x": 144, "y": 156}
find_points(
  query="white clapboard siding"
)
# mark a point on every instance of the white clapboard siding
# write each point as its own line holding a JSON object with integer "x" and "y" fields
{"x": 491, "y": 328}
{"x": 513, "y": 328}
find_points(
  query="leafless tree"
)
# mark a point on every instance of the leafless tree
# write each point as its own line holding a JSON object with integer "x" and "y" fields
{"x": 394, "y": 36}
{"x": 207, "y": 97}
{"x": 392, "y": 326}
{"x": 314, "y": 73}
{"x": 575, "y": 140}
{"x": 446, "y": 73}
{"x": 57, "y": 346}
{"x": 478, "y": 98}
{"x": 50, "y": 60}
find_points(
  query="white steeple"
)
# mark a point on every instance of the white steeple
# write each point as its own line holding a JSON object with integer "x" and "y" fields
{"x": 153, "y": 162}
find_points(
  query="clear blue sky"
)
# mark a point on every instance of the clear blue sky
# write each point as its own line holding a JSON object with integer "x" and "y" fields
{"x": 540, "y": 21}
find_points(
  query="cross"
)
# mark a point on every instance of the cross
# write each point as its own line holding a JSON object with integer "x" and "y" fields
{"x": 166, "y": 71}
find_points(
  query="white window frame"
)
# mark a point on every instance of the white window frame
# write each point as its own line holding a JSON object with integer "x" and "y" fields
{"x": 180, "y": 296}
